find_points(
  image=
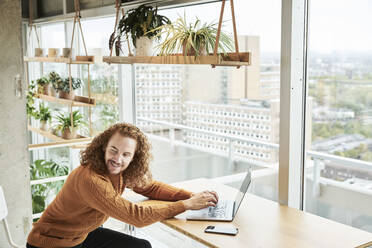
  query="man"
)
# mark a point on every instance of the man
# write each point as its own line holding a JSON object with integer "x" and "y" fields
{"x": 117, "y": 158}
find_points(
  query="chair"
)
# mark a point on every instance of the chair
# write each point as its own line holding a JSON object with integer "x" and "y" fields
{"x": 3, "y": 214}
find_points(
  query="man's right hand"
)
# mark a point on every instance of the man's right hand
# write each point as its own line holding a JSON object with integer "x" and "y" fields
{"x": 201, "y": 200}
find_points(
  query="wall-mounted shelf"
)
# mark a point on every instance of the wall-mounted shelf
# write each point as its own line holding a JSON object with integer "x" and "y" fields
{"x": 79, "y": 101}
{"x": 53, "y": 137}
{"x": 85, "y": 60}
{"x": 230, "y": 59}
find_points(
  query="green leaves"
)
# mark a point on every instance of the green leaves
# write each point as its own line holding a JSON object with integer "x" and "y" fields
{"x": 41, "y": 169}
{"x": 64, "y": 120}
{"x": 42, "y": 81}
{"x": 193, "y": 39}
{"x": 139, "y": 21}
{"x": 63, "y": 84}
{"x": 43, "y": 114}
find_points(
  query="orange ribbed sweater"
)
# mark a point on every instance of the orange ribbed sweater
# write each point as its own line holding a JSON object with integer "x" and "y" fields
{"x": 87, "y": 199}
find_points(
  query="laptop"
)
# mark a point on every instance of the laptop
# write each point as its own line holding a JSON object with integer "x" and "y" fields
{"x": 225, "y": 210}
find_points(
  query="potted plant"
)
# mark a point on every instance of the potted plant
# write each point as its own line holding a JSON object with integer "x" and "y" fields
{"x": 43, "y": 85}
{"x": 68, "y": 131}
{"x": 63, "y": 87}
{"x": 44, "y": 116}
{"x": 54, "y": 80}
{"x": 136, "y": 23}
{"x": 192, "y": 39}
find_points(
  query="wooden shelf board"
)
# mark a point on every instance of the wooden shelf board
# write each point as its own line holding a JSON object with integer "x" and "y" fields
{"x": 56, "y": 138}
{"x": 73, "y": 103}
{"x": 55, "y": 60}
{"x": 230, "y": 59}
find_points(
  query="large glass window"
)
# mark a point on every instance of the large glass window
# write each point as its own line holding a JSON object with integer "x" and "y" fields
{"x": 217, "y": 122}
{"x": 339, "y": 156}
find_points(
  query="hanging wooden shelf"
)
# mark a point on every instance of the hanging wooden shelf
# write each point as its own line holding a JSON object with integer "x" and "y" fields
{"x": 83, "y": 60}
{"x": 79, "y": 101}
{"x": 53, "y": 137}
{"x": 230, "y": 59}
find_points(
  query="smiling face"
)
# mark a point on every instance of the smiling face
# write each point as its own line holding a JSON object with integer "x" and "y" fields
{"x": 119, "y": 153}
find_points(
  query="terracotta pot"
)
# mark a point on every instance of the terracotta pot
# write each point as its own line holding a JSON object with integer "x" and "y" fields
{"x": 44, "y": 125}
{"x": 191, "y": 50}
{"x": 67, "y": 134}
{"x": 143, "y": 46}
{"x": 66, "y": 95}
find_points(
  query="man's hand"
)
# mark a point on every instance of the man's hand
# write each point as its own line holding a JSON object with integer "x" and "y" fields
{"x": 201, "y": 200}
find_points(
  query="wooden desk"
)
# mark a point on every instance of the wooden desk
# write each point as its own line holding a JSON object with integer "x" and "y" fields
{"x": 264, "y": 223}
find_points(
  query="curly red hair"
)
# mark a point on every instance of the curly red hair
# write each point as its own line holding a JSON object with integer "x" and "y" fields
{"x": 138, "y": 172}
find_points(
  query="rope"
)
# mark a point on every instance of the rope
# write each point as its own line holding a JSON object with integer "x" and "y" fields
{"x": 32, "y": 26}
{"x": 112, "y": 37}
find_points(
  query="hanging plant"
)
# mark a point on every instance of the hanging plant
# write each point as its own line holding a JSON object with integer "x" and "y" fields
{"x": 135, "y": 24}
{"x": 192, "y": 39}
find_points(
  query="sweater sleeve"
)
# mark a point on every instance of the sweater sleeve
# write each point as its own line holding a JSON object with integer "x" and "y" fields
{"x": 99, "y": 194}
{"x": 161, "y": 191}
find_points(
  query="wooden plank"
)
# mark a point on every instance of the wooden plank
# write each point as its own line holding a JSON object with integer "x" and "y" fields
{"x": 53, "y": 137}
{"x": 56, "y": 60}
{"x": 230, "y": 59}
{"x": 71, "y": 143}
{"x": 80, "y": 101}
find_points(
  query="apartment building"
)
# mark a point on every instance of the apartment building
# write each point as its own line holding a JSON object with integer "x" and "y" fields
{"x": 249, "y": 119}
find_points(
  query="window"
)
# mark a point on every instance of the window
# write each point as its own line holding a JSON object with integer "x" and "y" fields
{"x": 339, "y": 122}
{"x": 224, "y": 105}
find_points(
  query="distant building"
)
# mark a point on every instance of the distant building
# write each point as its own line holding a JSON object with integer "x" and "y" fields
{"x": 255, "y": 120}
{"x": 324, "y": 114}
{"x": 158, "y": 94}
{"x": 340, "y": 143}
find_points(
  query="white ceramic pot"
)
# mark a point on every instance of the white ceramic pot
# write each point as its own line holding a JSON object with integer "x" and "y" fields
{"x": 143, "y": 46}
{"x": 44, "y": 125}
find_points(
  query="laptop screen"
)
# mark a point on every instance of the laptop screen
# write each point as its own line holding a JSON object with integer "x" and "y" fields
{"x": 242, "y": 191}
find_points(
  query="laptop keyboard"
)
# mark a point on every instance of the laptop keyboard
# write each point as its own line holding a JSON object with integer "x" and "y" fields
{"x": 218, "y": 211}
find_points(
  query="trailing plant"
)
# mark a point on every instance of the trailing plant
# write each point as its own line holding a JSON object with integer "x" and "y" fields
{"x": 31, "y": 110}
{"x": 41, "y": 169}
{"x": 63, "y": 121}
{"x": 44, "y": 113}
{"x": 193, "y": 38}
{"x": 136, "y": 23}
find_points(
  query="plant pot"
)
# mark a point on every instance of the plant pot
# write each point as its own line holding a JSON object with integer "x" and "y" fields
{"x": 66, "y": 52}
{"x": 45, "y": 90}
{"x": 143, "y": 46}
{"x": 39, "y": 52}
{"x": 53, "y": 52}
{"x": 66, "y": 95}
{"x": 67, "y": 134}
{"x": 44, "y": 126}
{"x": 191, "y": 51}
{"x": 52, "y": 91}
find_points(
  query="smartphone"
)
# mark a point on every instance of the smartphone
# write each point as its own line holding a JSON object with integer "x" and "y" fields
{"x": 222, "y": 229}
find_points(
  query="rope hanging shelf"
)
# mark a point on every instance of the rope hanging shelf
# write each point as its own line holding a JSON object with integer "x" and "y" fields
{"x": 78, "y": 101}
{"x": 215, "y": 59}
